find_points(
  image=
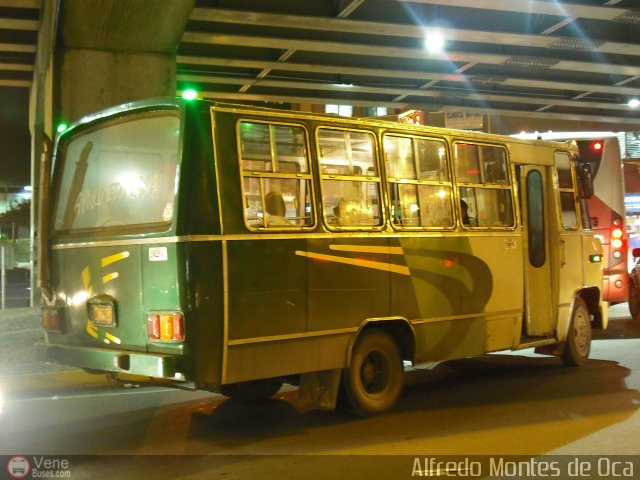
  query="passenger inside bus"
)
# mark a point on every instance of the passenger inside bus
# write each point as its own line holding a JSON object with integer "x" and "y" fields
{"x": 275, "y": 209}
{"x": 465, "y": 213}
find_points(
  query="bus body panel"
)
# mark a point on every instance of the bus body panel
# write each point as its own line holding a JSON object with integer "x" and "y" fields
{"x": 448, "y": 293}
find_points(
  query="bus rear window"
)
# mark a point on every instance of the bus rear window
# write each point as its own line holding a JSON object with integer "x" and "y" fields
{"x": 122, "y": 175}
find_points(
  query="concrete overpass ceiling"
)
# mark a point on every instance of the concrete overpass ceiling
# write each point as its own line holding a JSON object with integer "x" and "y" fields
{"x": 577, "y": 60}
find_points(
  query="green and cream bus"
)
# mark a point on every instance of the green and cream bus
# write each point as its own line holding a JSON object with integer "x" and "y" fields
{"x": 232, "y": 248}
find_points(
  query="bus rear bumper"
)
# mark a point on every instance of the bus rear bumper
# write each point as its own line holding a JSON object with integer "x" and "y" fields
{"x": 117, "y": 361}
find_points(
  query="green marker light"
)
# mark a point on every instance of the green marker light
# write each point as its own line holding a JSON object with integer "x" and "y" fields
{"x": 189, "y": 94}
{"x": 62, "y": 127}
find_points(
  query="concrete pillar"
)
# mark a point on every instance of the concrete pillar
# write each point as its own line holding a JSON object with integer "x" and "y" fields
{"x": 95, "y": 54}
{"x": 115, "y": 51}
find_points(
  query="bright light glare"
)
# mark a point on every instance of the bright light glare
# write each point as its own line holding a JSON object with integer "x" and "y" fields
{"x": 434, "y": 42}
{"x": 62, "y": 127}
{"x": 634, "y": 103}
{"x": 189, "y": 94}
{"x": 79, "y": 298}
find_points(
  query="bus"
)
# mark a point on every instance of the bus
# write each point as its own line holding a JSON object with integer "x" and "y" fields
{"x": 232, "y": 248}
{"x": 601, "y": 150}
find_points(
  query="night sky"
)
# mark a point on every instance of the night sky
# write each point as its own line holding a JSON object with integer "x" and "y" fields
{"x": 15, "y": 140}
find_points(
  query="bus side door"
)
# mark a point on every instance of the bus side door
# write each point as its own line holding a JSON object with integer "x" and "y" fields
{"x": 536, "y": 211}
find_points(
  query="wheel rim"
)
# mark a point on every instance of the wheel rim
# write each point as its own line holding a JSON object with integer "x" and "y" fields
{"x": 581, "y": 332}
{"x": 374, "y": 372}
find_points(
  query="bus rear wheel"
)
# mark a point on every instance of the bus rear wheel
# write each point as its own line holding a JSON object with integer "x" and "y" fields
{"x": 252, "y": 391}
{"x": 373, "y": 382}
{"x": 577, "y": 345}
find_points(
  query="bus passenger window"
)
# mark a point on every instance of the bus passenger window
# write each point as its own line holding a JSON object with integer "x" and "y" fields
{"x": 277, "y": 180}
{"x": 484, "y": 185}
{"x": 350, "y": 179}
{"x": 419, "y": 183}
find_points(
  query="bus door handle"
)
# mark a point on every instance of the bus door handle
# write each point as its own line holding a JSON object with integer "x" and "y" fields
{"x": 563, "y": 260}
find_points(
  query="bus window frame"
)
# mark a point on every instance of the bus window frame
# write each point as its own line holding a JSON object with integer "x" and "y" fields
{"x": 510, "y": 186}
{"x": 390, "y": 181}
{"x": 379, "y": 180}
{"x": 308, "y": 176}
{"x": 99, "y": 123}
{"x": 573, "y": 190}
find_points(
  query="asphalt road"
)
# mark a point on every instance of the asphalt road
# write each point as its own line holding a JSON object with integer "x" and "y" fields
{"x": 526, "y": 406}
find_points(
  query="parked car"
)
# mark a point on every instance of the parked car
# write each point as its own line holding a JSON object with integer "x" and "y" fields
{"x": 634, "y": 286}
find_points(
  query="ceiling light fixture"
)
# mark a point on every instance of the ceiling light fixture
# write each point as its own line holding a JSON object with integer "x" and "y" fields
{"x": 434, "y": 42}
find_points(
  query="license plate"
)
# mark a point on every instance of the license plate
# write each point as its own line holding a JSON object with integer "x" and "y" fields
{"x": 102, "y": 315}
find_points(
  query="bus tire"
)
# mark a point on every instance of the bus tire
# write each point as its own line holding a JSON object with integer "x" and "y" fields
{"x": 252, "y": 391}
{"x": 578, "y": 342}
{"x": 373, "y": 382}
{"x": 634, "y": 300}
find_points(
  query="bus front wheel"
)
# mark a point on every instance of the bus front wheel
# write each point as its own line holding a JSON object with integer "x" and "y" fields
{"x": 252, "y": 391}
{"x": 578, "y": 342}
{"x": 373, "y": 382}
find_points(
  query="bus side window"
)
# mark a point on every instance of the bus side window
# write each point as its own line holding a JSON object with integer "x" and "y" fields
{"x": 350, "y": 179}
{"x": 566, "y": 187}
{"x": 276, "y": 176}
{"x": 484, "y": 185}
{"x": 419, "y": 182}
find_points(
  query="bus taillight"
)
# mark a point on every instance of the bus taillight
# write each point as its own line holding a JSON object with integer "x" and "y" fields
{"x": 597, "y": 146}
{"x": 52, "y": 319}
{"x": 616, "y": 239}
{"x": 165, "y": 326}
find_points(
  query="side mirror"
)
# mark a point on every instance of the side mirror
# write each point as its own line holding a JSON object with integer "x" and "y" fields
{"x": 585, "y": 180}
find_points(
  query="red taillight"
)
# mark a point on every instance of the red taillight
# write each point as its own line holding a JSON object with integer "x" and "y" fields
{"x": 165, "y": 326}
{"x": 616, "y": 233}
{"x": 51, "y": 319}
{"x": 153, "y": 326}
{"x": 596, "y": 146}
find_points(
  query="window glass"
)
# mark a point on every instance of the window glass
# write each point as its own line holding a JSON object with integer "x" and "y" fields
{"x": 486, "y": 199}
{"x": 535, "y": 219}
{"x": 122, "y": 174}
{"x": 432, "y": 160}
{"x": 568, "y": 207}
{"x": 421, "y": 205}
{"x": 276, "y": 176}
{"x": 400, "y": 157}
{"x": 563, "y": 164}
{"x": 350, "y": 181}
{"x": 487, "y": 207}
{"x": 494, "y": 165}
{"x": 467, "y": 163}
{"x": 419, "y": 182}
{"x": 347, "y": 152}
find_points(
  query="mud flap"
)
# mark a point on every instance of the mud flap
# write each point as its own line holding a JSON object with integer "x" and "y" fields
{"x": 320, "y": 389}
